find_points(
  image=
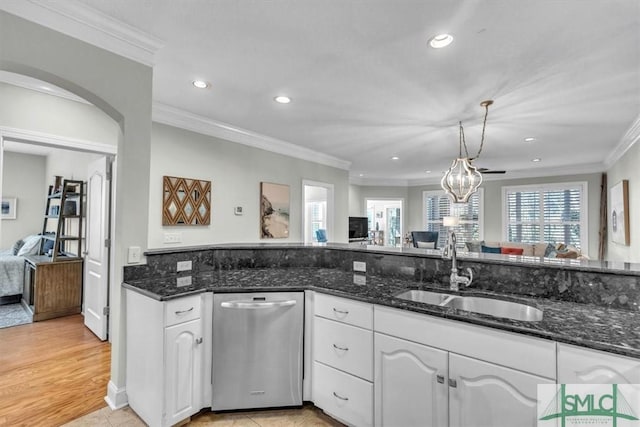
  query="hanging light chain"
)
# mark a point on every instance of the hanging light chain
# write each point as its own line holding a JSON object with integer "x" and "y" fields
{"x": 485, "y": 104}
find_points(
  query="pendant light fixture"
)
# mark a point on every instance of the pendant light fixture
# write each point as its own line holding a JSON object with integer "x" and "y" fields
{"x": 463, "y": 179}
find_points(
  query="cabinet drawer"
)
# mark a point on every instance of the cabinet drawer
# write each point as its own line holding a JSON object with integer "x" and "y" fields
{"x": 181, "y": 310}
{"x": 344, "y": 310}
{"x": 345, "y": 347}
{"x": 343, "y": 396}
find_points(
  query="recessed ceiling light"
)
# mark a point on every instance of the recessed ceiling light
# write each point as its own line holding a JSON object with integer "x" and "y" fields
{"x": 529, "y": 139}
{"x": 361, "y": 174}
{"x": 427, "y": 171}
{"x": 200, "y": 84}
{"x": 440, "y": 41}
{"x": 395, "y": 158}
{"x": 537, "y": 159}
{"x": 282, "y": 99}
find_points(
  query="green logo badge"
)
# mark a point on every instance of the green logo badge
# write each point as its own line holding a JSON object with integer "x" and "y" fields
{"x": 588, "y": 405}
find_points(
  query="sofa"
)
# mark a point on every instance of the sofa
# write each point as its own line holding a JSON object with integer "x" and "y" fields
{"x": 538, "y": 249}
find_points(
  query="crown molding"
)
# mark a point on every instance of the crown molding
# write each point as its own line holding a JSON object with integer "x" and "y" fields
{"x": 84, "y": 23}
{"x": 631, "y": 136}
{"x": 379, "y": 182}
{"x": 56, "y": 141}
{"x": 173, "y": 116}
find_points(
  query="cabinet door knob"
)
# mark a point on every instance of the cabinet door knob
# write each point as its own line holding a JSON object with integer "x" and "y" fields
{"x": 340, "y": 397}
{"x": 453, "y": 383}
{"x": 440, "y": 379}
{"x": 199, "y": 340}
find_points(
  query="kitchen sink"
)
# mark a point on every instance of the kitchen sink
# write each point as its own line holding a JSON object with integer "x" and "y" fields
{"x": 497, "y": 308}
{"x": 426, "y": 297}
{"x": 483, "y": 305}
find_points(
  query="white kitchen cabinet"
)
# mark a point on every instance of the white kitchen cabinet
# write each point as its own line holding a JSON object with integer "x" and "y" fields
{"x": 166, "y": 353}
{"x": 483, "y": 394}
{"x": 410, "y": 384}
{"x": 440, "y": 372}
{"x": 343, "y": 359}
{"x": 578, "y": 365}
{"x": 183, "y": 344}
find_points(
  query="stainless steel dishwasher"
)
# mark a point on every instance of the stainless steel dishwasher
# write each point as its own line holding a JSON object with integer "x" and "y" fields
{"x": 257, "y": 350}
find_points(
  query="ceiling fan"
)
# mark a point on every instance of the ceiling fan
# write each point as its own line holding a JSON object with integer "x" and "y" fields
{"x": 485, "y": 171}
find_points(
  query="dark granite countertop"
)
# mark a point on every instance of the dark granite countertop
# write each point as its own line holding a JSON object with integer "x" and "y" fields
{"x": 587, "y": 325}
{"x": 611, "y": 267}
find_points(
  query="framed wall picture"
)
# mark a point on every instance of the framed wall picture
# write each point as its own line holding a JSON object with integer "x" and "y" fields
{"x": 185, "y": 201}
{"x": 619, "y": 212}
{"x": 274, "y": 211}
{"x": 8, "y": 208}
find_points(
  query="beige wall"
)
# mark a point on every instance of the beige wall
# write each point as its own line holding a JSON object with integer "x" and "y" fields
{"x": 235, "y": 171}
{"x": 38, "y": 112}
{"x": 627, "y": 168}
{"x": 23, "y": 177}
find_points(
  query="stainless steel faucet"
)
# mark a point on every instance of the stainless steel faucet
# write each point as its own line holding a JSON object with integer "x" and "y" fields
{"x": 449, "y": 252}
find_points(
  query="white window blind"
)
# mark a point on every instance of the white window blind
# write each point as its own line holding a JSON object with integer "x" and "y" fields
{"x": 437, "y": 205}
{"x": 551, "y": 213}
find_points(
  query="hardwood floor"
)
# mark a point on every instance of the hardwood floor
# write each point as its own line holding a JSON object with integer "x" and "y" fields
{"x": 51, "y": 372}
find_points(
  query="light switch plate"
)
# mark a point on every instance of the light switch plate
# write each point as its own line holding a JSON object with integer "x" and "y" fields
{"x": 172, "y": 237}
{"x": 133, "y": 254}
{"x": 360, "y": 266}
{"x": 184, "y": 265}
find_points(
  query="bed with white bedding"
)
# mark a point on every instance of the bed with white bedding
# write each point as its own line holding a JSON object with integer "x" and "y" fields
{"x": 12, "y": 265}
{"x": 11, "y": 273}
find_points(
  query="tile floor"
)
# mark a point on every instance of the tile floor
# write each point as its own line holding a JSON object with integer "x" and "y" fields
{"x": 308, "y": 415}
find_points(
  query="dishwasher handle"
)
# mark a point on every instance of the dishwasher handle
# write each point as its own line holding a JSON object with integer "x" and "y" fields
{"x": 251, "y": 304}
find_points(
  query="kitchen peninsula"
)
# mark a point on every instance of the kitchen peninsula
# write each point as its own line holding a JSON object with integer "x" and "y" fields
{"x": 590, "y": 312}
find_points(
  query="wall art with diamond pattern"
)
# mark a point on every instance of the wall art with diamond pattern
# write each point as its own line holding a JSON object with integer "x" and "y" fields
{"x": 185, "y": 201}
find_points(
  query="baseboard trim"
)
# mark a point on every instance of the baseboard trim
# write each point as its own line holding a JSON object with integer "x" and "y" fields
{"x": 116, "y": 397}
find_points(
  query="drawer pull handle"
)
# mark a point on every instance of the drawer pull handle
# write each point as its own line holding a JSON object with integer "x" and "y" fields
{"x": 453, "y": 383}
{"x": 340, "y": 311}
{"x": 181, "y": 312}
{"x": 340, "y": 397}
{"x": 199, "y": 340}
{"x": 341, "y": 348}
{"x": 440, "y": 379}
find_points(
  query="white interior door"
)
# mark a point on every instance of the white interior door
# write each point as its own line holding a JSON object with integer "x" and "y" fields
{"x": 96, "y": 260}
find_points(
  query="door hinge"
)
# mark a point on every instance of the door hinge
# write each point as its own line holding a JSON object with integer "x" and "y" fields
{"x": 107, "y": 243}
{"x": 105, "y": 311}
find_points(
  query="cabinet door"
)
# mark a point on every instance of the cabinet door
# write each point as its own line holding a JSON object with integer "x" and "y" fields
{"x": 410, "y": 384}
{"x": 183, "y": 369}
{"x": 482, "y": 394}
{"x": 584, "y": 366}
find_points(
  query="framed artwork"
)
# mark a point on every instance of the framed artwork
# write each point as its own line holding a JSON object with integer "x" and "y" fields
{"x": 8, "y": 208}
{"x": 619, "y": 212}
{"x": 274, "y": 211}
{"x": 185, "y": 201}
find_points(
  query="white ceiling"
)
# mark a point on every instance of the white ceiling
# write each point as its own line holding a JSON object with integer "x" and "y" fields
{"x": 366, "y": 87}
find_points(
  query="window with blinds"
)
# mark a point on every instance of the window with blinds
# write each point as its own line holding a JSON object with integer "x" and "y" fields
{"x": 550, "y": 213}
{"x": 437, "y": 205}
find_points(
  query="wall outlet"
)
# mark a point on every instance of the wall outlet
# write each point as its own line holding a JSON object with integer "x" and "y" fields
{"x": 184, "y": 265}
{"x": 172, "y": 237}
{"x": 359, "y": 279}
{"x": 183, "y": 281}
{"x": 360, "y": 266}
{"x": 133, "y": 254}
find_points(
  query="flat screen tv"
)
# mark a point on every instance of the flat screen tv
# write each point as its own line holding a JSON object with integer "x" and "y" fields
{"x": 358, "y": 228}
